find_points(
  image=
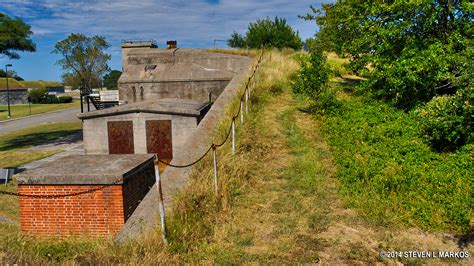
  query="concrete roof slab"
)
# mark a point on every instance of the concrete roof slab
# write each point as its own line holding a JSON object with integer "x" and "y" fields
{"x": 86, "y": 170}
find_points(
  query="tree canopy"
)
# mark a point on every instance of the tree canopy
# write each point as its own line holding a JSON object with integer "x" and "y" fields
{"x": 83, "y": 58}
{"x": 410, "y": 50}
{"x": 267, "y": 33}
{"x": 15, "y": 36}
{"x": 111, "y": 79}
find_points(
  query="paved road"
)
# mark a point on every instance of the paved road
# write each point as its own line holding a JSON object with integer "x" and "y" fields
{"x": 65, "y": 115}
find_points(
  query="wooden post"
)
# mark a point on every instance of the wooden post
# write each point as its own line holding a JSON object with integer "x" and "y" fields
{"x": 233, "y": 136}
{"x": 160, "y": 198}
{"x": 216, "y": 182}
{"x": 241, "y": 112}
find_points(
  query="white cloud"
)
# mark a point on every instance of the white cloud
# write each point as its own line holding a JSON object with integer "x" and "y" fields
{"x": 190, "y": 22}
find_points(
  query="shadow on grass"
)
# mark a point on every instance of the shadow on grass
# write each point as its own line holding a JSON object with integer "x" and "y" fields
{"x": 34, "y": 139}
{"x": 466, "y": 239}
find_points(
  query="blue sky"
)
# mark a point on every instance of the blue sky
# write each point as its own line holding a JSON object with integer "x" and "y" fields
{"x": 191, "y": 23}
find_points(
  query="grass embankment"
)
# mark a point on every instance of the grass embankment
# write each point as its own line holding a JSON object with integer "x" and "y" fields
{"x": 387, "y": 169}
{"x": 22, "y": 110}
{"x": 13, "y": 83}
{"x": 390, "y": 174}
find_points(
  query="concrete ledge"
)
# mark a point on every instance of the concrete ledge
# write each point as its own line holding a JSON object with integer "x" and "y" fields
{"x": 145, "y": 216}
{"x": 163, "y": 106}
{"x": 86, "y": 170}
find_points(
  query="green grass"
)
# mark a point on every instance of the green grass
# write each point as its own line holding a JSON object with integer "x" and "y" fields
{"x": 13, "y": 143}
{"x": 22, "y": 110}
{"x": 11, "y": 159}
{"x": 391, "y": 175}
{"x": 32, "y": 136}
{"x": 13, "y": 83}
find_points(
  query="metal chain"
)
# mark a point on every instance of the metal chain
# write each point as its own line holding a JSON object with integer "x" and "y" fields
{"x": 55, "y": 196}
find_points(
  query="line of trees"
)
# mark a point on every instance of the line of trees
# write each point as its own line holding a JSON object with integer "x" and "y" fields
{"x": 267, "y": 33}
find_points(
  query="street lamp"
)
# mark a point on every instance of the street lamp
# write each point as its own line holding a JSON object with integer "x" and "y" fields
{"x": 8, "y": 90}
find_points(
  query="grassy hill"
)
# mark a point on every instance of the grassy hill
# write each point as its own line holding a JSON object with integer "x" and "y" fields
{"x": 27, "y": 83}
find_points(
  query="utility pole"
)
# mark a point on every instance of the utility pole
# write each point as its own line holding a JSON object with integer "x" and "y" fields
{"x": 8, "y": 90}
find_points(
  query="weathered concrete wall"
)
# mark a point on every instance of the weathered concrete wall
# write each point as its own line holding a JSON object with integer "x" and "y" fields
{"x": 96, "y": 139}
{"x": 16, "y": 97}
{"x": 192, "y": 90}
{"x": 145, "y": 216}
{"x": 175, "y": 73}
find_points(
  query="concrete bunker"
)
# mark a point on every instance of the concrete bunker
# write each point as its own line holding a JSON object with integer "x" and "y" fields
{"x": 150, "y": 127}
{"x": 166, "y": 98}
{"x": 150, "y": 73}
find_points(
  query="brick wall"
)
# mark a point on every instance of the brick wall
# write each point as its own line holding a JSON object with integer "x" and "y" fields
{"x": 98, "y": 213}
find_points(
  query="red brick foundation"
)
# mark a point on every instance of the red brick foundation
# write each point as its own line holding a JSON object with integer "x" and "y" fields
{"x": 99, "y": 213}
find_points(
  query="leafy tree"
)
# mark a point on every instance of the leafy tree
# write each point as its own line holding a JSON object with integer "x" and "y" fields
{"x": 267, "y": 33}
{"x": 410, "y": 50}
{"x": 111, "y": 79}
{"x": 236, "y": 40}
{"x": 84, "y": 59}
{"x": 14, "y": 36}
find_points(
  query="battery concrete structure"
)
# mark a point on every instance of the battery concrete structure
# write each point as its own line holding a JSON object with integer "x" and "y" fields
{"x": 171, "y": 101}
{"x": 154, "y": 127}
{"x": 151, "y": 73}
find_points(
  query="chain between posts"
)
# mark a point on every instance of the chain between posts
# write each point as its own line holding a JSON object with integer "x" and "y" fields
{"x": 53, "y": 196}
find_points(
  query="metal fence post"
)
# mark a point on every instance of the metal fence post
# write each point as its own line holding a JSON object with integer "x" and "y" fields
{"x": 233, "y": 135}
{"x": 216, "y": 182}
{"x": 160, "y": 198}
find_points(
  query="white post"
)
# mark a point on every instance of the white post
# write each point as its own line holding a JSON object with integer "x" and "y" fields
{"x": 233, "y": 136}
{"x": 241, "y": 112}
{"x": 216, "y": 184}
{"x": 160, "y": 199}
{"x": 247, "y": 100}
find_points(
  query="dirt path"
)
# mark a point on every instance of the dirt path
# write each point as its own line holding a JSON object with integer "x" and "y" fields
{"x": 293, "y": 212}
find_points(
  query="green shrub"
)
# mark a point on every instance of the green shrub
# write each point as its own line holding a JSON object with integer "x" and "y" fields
{"x": 313, "y": 76}
{"x": 328, "y": 102}
{"x": 37, "y": 95}
{"x": 447, "y": 121}
{"x": 65, "y": 99}
{"x": 49, "y": 99}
